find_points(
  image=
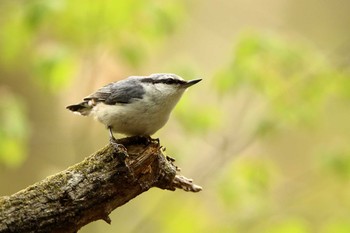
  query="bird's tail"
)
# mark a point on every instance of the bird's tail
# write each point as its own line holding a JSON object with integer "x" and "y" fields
{"x": 82, "y": 108}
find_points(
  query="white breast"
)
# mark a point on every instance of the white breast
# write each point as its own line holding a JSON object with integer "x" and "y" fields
{"x": 142, "y": 116}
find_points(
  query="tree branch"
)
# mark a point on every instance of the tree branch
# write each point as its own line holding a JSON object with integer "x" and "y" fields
{"x": 91, "y": 189}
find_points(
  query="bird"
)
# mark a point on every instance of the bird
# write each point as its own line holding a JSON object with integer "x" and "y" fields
{"x": 135, "y": 106}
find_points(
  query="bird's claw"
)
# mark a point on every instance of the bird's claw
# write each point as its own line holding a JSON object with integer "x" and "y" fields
{"x": 113, "y": 141}
{"x": 153, "y": 140}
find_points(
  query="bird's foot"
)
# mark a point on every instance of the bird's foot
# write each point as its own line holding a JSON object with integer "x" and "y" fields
{"x": 124, "y": 155}
{"x": 113, "y": 141}
{"x": 153, "y": 140}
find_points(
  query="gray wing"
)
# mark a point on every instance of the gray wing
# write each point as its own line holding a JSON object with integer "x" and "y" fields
{"x": 124, "y": 91}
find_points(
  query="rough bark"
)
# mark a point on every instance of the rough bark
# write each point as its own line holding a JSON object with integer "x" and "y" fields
{"x": 91, "y": 189}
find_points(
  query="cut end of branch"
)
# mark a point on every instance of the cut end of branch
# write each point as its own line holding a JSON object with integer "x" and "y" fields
{"x": 186, "y": 184}
{"x": 171, "y": 180}
{"x": 107, "y": 219}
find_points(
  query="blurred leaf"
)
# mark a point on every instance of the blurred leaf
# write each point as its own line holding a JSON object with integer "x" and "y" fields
{"x": 14, "y": 36}
{"x": 54, "y": 68}
{"x": 337, "y": 226}
{"x": 344, "y": 88}
{"x": 36, "y": 12}
{"x": 226, "y": 82}
{"x": 129, "y": 29}
{"x": 13, "y": 129}
{"x": 183, "y": 220}
{"x": 114, "y": 24}
{"x": 12, "y": 152}
{"x": 265, "y": 128}
{"x": 293, "y": 225}
{"x": 296, "y": 81}
{"x": 197, "y": 118}
{"x": 338, "y": 163}
{"x": 132, "y": 54}
{"x": 248, "y": 181}
{"x": 165, "y": 14}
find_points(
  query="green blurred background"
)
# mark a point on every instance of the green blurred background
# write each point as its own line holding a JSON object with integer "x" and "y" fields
{"x": 266, "y": 133}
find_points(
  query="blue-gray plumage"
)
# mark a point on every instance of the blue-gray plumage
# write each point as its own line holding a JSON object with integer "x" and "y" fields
{"x": 138, "y": 105}
{"x": 124, "y": 91}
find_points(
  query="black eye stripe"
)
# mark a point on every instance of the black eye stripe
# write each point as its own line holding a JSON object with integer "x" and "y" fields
{"x": 165, "y": 81}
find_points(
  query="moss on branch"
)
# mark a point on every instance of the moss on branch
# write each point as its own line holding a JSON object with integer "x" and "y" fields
{"x": 91, "y": 189}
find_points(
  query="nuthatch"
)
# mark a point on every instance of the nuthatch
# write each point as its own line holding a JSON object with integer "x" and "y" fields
{"x": 136, "y": 106}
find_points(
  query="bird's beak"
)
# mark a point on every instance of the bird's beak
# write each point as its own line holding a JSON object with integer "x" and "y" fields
{"x": 191, "y": 82}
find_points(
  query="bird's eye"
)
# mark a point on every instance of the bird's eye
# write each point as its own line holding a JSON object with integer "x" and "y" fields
{"x": 170, "y": 81}
{"x": 167, "y": 81}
